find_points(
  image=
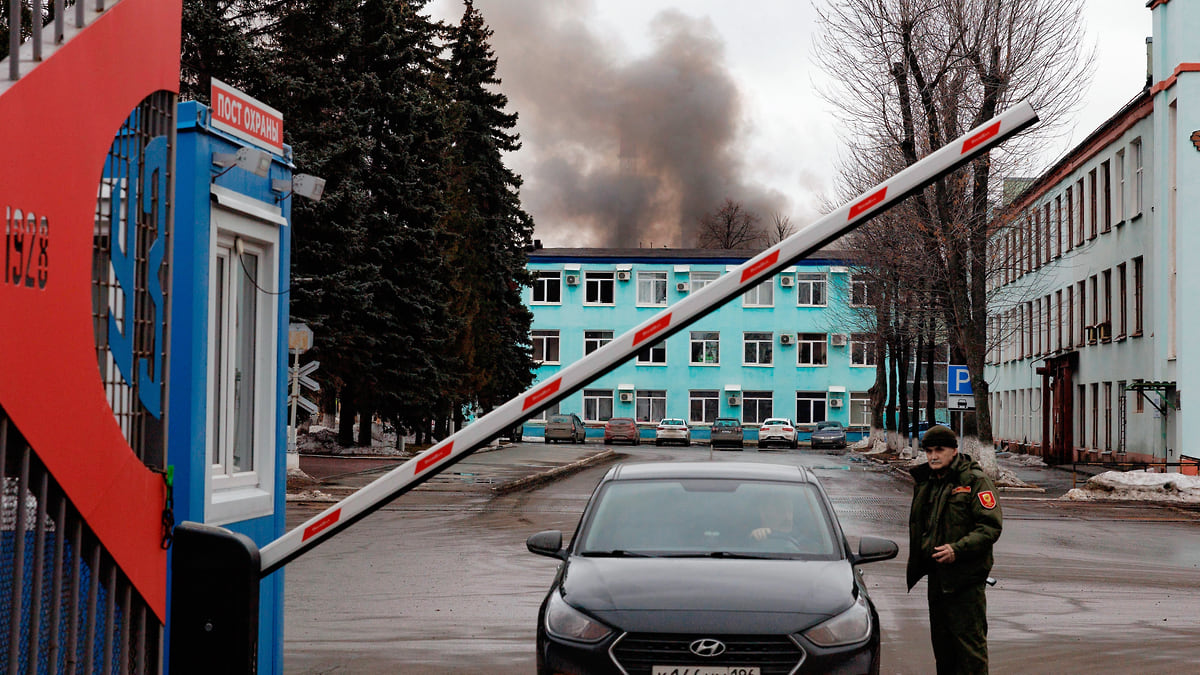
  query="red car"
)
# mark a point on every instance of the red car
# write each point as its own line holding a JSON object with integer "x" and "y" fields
{"x": 622, "y": 429}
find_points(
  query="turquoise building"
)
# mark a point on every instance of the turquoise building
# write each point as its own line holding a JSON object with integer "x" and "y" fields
{"x": 794, "y": 346}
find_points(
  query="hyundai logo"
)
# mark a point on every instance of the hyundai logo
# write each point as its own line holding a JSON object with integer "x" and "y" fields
{"x": 707, "y": 647}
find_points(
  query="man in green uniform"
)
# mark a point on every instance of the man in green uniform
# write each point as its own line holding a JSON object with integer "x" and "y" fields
{"x": 954, "y": 521}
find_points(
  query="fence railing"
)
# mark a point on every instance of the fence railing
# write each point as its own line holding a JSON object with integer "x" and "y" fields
{"x": 30, "y": 23}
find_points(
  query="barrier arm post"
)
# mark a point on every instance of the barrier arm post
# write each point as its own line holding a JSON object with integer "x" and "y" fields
{"x": 663, "y": 324}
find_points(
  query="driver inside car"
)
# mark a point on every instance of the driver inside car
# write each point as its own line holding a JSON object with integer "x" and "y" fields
{"x": 775, "y": 514}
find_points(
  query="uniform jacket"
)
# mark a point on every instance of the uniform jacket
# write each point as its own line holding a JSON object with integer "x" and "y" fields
{"x": 959, "y": 508}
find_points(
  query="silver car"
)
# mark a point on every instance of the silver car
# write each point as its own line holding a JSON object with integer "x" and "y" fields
{"x": 778, "y": 431}
{"x": 673, "y": 430}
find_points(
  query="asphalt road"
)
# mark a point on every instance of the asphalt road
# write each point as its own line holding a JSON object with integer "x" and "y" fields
{"x": 440, "y": 580}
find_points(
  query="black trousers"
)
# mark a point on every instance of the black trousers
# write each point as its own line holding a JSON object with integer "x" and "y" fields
{"x": 958, "y": 629}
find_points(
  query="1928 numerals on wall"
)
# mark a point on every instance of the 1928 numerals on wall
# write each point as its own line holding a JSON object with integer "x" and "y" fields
{"x": 26, "y": 249}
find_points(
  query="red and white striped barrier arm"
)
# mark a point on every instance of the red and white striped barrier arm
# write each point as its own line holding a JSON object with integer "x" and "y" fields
{"x": 672, "y": 319}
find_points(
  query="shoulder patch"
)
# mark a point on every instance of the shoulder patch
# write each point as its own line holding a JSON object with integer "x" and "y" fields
{"x": 987, "y": 499}
{"x": 960, "y": 489}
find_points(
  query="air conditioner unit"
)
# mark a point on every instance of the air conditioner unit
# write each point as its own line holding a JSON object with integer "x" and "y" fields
{"x": 682, "y": 287}
{"x": 787, "y": 280}
{"x": 835, "y": 402}
{"x": 838, "y": 339}
{"x": 627, "y": 397}
{"x": 735, "y": 400}
{"x": 1105, "y": 330}
{"x": 572, "y": 279}
{"x": 786, "y": 338}
{"x": 623, "y": 276}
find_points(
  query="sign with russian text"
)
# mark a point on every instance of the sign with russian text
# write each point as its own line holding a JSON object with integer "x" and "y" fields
{"x": 247, "y": 118}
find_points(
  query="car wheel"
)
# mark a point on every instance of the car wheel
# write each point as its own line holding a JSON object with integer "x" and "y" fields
{"x": 795, "y": 444}
{"x": 658, "y": 442}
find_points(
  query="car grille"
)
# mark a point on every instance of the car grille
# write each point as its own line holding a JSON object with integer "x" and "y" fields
{"x": 637, "y": 653}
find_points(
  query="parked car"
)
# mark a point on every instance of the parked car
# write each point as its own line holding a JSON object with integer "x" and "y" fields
{"x": 727, "y": 431}
{"x": 622, "y": 429}
{"x": 919, "y": 429}
{"x": 561, "y": 428}
{"x": 665, "y": 575}
{"x": 673, "y": 430}
{"x": 778, "y": 430}
{"x": 829, "y": 434}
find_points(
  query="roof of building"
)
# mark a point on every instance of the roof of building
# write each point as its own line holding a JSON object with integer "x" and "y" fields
{"x": 678, "y": 255}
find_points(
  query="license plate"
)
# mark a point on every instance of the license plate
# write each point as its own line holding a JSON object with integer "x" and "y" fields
{"x": 703, "y": 670}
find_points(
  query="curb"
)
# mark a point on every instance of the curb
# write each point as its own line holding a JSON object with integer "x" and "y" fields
{"x": 556, "y": 472}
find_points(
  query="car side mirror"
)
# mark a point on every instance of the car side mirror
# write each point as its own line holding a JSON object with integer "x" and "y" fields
{"x": 549, "y": 543}
{"x": 874, "y": 549}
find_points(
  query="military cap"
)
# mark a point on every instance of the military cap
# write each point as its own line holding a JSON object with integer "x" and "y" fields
{"x": 939, "y": 436}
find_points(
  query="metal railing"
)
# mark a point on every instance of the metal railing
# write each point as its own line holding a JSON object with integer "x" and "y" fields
{"x": 28, "y": 21}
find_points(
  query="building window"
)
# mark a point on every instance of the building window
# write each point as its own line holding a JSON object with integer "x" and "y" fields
{"x": 1058, "y": 227}
{"x": 1119, "y": 205}
{"x": 1137, "y": 295}
{"x": 652, "y": 288}
{"x": 599, "y": 288}
{"x": 540, "y": 416}
{"x": 758, "y": 349}
{"x": 1083, "y": 322}
{"x": 762, "y": 295}
{"x": 651, "y": 405}
{"x": 1070, "y": 222}
{"x": 757, "y": 406}
{"x": 1079, "y": 233}
{"x": 703, "y": 406}
{"x": 1058, "y": 319}
{"x": 701, "y": 279}
{"x": 811, "y": 290}
{"x": 1139, "y": 405}
{"x": 1035, "y": 236}
{"x": 859, "y": 291}
{"x": 1069, "y": 326}
{"x": 545, "y": 346}
{"x": 1108, "y": 300}
{"x": 1137, "y": 176}
{"x": 654, "y": 355}
{"x": 706, "y": 348}
{"x": 243, "y": 367}
{"x": 547, "y": 288}
{"x": 1048, "y": 233}
{"x": 597, "y": 405}
{"x": 1108, "y": 416}
{"x": 1095, "y": 415}
{"x": 1093, "y": 205}
{"x": 1106, "y": 197}
{"x": 860, "y": 409}
{"x": 1030, "y": 330}
{"x": 1082, "y": 407}
{"x": 810, "y": 407}
{"x": 1049, "y": 325}
{"x": 1095, "y": 290}
{"x": 812, "y": 350}
{"x": 595, "y": 339}
{"x": 1121, "y": 301}
{"x": 862, "y": 349}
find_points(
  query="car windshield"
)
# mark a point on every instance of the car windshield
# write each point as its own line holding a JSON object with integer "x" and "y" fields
{"x": 708, "y": 518}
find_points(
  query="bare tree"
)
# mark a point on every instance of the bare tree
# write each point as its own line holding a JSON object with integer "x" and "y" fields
{"x": 781, "y": 228}
{"x": 730, "y": 227}
{"x": 912, "y": 75}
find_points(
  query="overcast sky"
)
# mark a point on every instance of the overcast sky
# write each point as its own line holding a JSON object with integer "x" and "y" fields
{"x": 637, "y": 116}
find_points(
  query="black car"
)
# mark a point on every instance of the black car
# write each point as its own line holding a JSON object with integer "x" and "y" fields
{"x": 722, "y": 568}
{"x": 829, "y": 434}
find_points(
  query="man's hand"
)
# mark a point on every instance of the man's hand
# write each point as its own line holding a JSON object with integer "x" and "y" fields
{"x": 761, "y": 533}
{"x": 943, "y": 554}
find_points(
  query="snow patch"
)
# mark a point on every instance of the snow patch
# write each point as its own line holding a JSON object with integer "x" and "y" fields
{"x": 1139, "y": 486}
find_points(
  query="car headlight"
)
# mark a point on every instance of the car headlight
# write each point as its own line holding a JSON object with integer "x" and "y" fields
{"x": 564, "y": 621}
{"x": 852, "y": 625}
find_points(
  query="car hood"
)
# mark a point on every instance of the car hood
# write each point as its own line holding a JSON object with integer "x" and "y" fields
{"x": 716, "y": 595}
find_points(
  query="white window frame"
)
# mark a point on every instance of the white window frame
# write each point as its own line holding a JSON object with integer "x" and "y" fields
{"x": 1138, "y": 176}
{"x": 753, "y": 404}
{"x": 859, "y": 287}
{"x": 544, "y": 280}
{"x": 809, "y": 285}
{"x": 541, "y": 415}
{"x": 860, "y": 401}
{"x": 865, "y": 342}
{"x": 705, "y": 338}
{"x": 595, "y": 339}
{"x": 656, "y": 405}
{"x": 812, "y": 343}
{"x": 599, "y": 280}
{"x": 701, "y": 278}
{"x": 760, "y": 295}
{"x": 811, "y": 398}
{"x": 229, "y": 496}
{"x": 546, "y": 337}
{"x": 651, "y": 288}
{"x": 593, "y": 405}
{"x": 1120, "y": 193}
{"x": 756, "y": 345}
{"x": 655, "y": 355}
{"x": 709, "y": 401}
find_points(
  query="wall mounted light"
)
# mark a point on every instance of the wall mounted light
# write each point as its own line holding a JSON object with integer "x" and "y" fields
{"x": 257, "y": 162}
{"x": 301, "y": 184}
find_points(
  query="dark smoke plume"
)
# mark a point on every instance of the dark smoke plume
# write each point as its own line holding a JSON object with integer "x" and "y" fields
{"x": 620, "y": 151}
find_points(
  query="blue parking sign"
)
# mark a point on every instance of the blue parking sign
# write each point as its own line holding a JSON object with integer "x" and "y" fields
{"x": 958, "y": 381}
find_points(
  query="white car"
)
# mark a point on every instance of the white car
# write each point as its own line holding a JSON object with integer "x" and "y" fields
{"x": 673, "y": 430}
{"x": 778, "y": 430}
